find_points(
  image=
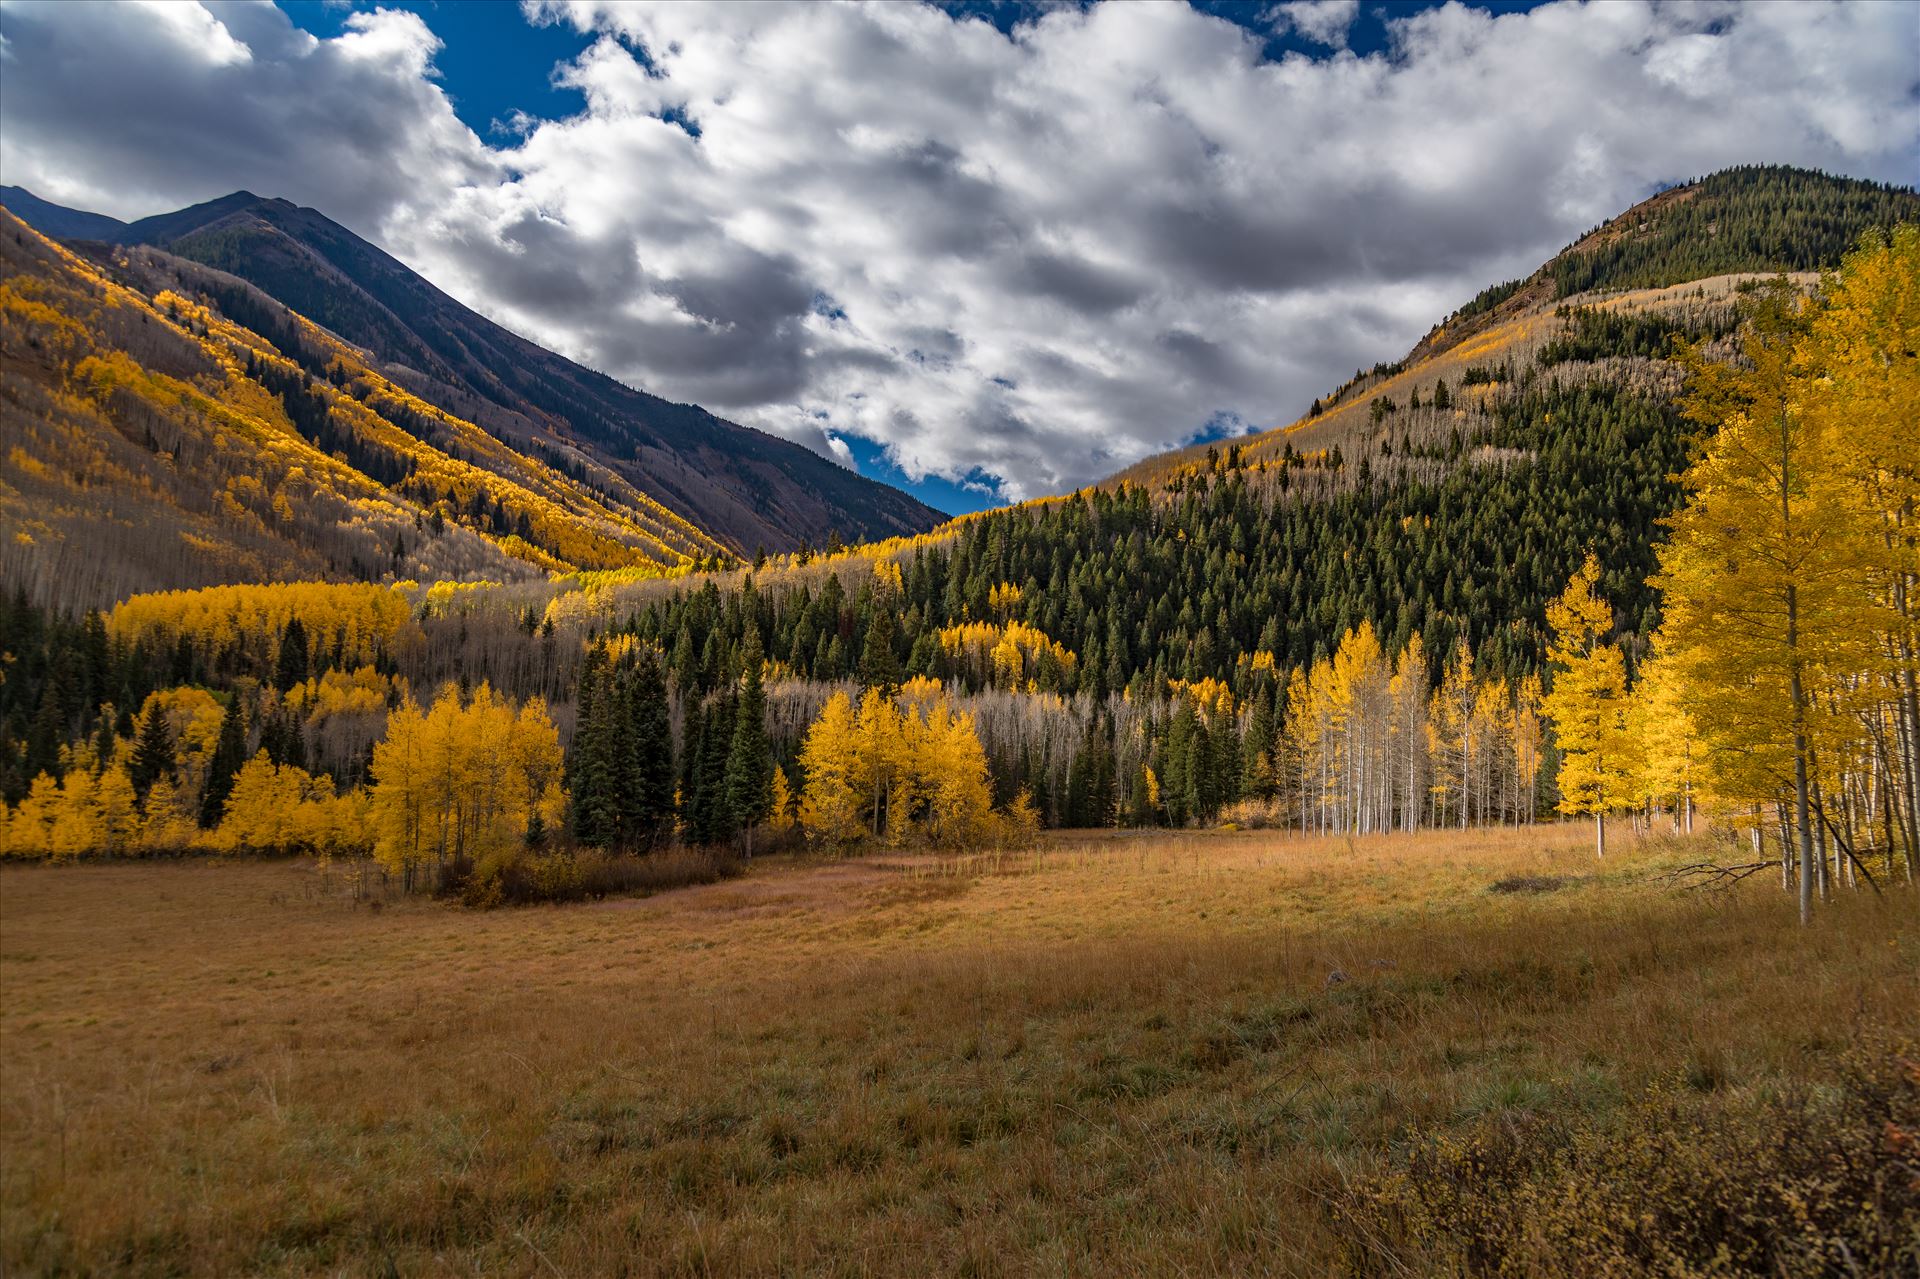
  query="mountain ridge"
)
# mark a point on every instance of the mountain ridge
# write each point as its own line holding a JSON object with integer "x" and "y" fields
{"x": 1777, "y": 218}
{"x": 747, "y": 487}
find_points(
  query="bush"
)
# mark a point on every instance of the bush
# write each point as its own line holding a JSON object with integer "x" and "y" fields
{"x": 1254, "y": 814}
{"x": 1689, "y": 1181}
{"x": 567, "y": 875}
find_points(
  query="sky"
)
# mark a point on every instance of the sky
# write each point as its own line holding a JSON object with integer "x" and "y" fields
{"x": 985, "y": 250}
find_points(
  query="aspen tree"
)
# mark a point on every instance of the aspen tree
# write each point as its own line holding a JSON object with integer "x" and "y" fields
{"x": 831, "y": 801}
{"x": 1587, "y": 702}
{"x": 1763, "y": 574}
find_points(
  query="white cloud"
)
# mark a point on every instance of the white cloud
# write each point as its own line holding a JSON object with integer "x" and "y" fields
{"x": 1039, "y": 255}
{"x": 1322, "y": 21}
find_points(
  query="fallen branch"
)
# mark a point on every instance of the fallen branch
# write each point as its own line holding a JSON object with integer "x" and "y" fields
{"x": 1714, "y": 875}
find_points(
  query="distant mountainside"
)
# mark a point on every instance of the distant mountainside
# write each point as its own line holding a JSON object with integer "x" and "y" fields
{"x": 1754, "y": 219}
{"x": 149, "y": 439}
{"x": 56, "y": 220}
{"x": 744, "y": 487}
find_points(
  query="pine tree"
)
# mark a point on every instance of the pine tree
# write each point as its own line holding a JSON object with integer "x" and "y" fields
{"x": 153, "y": 756}
{"x": 879, "y": 668}
{"x": 229, "y": 756}
{"x": 291, "y": 668}
{"x": 749, "y": 773}
{"x": 48, "y": 731}
{"x": 592, "y": 774}
{"x": 649, "y": 723}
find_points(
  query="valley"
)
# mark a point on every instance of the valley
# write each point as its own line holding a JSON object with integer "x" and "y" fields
{"x": 459, "y": 814}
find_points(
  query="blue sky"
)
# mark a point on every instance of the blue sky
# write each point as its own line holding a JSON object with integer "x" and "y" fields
{"x": 493, "y": 62}
{"x": 983, "y": 260}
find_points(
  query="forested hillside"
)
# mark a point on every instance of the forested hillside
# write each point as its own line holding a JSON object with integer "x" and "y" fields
{"x": 1441, "y": 599}
{"x": 744, "y": 488}
{"x": 169, "y": 426}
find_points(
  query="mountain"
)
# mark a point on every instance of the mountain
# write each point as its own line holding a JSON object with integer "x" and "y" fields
{"x": 1125, "y": 653}
{"x": 1449, "y": 494}
{"x": 1753, "y": 219}
{"x": 153, "y": 440}
{"x": 746, "y": 488}
{"x": 56, "y": 220}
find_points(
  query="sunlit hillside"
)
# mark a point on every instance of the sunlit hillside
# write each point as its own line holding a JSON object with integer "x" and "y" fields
{"x": 1673, "y": 260}
{"x": 152, "y": 441}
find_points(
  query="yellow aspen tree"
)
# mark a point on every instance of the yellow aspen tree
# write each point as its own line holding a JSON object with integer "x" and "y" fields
{"x": 830, "y": 804}
{"x": 399, "y": 797}
{"x": 1490, "y": 733}
{"x": 1862, "y": 344}
{"x": 1763, "y": 574}
{"x": 119, "y": 812}
{"x": 1407, "y": 693}
{"x": 31, "y": 830}
{"x": 537, "y": 766}
{"x": 1587, "y": 702}
{"x": 260, "y": 810}
{"x": 165, "y": 826}
{"x": 1357, "y": 689}
{"x": 954, "y": 768}
{"x": 1660, "y": 719}
{"x": 1450, "y": 735}
{"x": 1528, "y": 742}
{"x": 780, "y": 813}
{"x": 877, "y": 756}
{"x": 76, "y": 825}
{"x": 1311, "y": 726}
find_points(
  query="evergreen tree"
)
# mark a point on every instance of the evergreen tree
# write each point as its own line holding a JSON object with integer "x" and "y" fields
{"x": 153, "y": 756}
{"x": 591, "y": 767}
{"x": 749, "y": 773}
{"x": 652, "y": 732}
{"x": 879, "y": 668}
{"x": 48, "y": 732}
{"x": 291, "y": 668}
{"x": 713, "y": 816}
{"x": 229, "y": 756}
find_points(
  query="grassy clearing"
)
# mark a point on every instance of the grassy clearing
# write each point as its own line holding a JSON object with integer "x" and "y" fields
{"x": 1121, "y": 1054}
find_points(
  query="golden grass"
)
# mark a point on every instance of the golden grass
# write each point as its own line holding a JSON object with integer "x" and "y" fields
{"x": 1117, "y": 1055}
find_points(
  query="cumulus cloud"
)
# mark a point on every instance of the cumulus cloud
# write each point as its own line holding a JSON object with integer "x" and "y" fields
{"x": 1034, "y": 256}
{"x": 1321, "y": 21}
{"x": 153, "y": 106}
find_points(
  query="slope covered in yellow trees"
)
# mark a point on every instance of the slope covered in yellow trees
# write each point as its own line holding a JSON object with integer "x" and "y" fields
{"x": 149, "y": 439}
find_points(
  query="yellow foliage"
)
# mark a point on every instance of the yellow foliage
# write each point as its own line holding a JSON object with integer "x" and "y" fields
{"x": 1587, "y": 702}
{"x": 1209, "y": 695}
{"x": 364, "y": 619}
{"x": 276, "y": 808}
{"x": 895, "y": 769}
{"x": 463, "y": 781}
{"x": 1009, "y": 656}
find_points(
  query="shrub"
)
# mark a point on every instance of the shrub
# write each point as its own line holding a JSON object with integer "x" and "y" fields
{"x": 1688, "y": 1181}
{"x": 567, "y": 875}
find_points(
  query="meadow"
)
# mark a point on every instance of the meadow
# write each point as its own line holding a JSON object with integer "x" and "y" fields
{"x": 1217, "y": 1052}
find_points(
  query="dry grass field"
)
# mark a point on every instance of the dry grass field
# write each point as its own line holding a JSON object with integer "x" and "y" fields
{"x": 1115, "y": 1055}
